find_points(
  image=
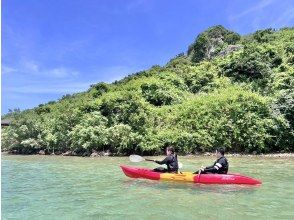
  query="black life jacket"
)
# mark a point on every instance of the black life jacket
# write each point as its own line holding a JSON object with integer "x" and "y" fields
{"x": 172, "y": 165}
{"x": 223, "y": 169}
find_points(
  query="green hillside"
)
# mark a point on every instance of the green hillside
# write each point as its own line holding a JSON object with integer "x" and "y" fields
{"x": 227, "y": 90}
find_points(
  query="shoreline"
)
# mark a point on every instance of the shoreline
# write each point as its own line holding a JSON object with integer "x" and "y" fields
{"x": 269, "y": 155}
{"x": 207, "y": 154}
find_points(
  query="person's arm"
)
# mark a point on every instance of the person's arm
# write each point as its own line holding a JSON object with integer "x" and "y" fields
{"x": 209, "y": 167}
{"x": 214, "y": 168}
{"x": 165, "y": 161}
{"x": 196, "y": 172}
{"x": 202, "y": 169}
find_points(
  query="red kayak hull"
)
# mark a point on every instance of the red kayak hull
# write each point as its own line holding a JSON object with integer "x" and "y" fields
{"x": 144, "y": 173}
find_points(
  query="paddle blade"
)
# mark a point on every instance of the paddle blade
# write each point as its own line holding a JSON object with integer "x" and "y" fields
{"x": 136, "y": 158}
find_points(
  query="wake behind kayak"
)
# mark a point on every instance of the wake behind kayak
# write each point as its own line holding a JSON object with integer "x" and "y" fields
{"x": 144, "y": 173}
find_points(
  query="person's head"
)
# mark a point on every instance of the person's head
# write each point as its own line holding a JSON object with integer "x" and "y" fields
{"x": 220, "y": 152}
{"x": 170, "y": 150}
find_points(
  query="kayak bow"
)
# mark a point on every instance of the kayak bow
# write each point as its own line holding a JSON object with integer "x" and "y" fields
{"x": 139, "y": 172}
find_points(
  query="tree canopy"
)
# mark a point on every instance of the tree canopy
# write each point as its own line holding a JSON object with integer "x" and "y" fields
{"x": 229, "y": 90}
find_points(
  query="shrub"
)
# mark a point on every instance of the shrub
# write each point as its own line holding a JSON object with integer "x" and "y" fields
{"x": 122, "y": 139}
{"x": 248, "y": 64}
{"x": 158, "y": 94}
{"x": 90, "y": 133}
{"x": 99, "y": 89}
{"x": 232, "y": 118}
{"x": 264, "y": 36}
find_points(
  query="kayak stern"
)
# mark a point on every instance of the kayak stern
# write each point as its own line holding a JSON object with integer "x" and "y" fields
{"x": 136, "y": 172}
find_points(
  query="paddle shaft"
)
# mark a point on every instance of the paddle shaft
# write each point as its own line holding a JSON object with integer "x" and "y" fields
{"x": 137, "y": 158}
{"x": 149, "y": 160}
{"x": 198, "y": 178}
{"x": 179, "y": 164}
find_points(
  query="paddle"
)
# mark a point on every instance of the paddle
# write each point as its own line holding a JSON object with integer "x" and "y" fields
{"x": 137, "y": 158}
{"x": 198, "y": 178}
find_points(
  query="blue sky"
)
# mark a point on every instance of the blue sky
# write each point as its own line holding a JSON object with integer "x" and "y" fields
{"x": 54, "y": 47}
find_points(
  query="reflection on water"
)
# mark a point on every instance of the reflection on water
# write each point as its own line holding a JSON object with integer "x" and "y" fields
{"x": 191, "y": 188}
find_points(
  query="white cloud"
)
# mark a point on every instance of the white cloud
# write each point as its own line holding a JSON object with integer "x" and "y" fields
{"x": 61, "y": 80}
{"x": 32, "y": 67}
{"x": 285, "y": 18}
{"x": 61, "y": 72}
{"x": 257, "y": 7}
{"x": 261, "y": 14}
{"x": 7, "y": 69}
{"x": 61, "y": 87}
{"x": 118, "y": 72}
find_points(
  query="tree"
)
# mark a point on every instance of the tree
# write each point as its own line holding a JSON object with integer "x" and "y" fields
{"x": 90, "y": 133}
{"x": 122, "y": 139}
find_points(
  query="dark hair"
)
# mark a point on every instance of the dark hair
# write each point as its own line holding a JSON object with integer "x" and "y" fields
{"x": 221, "y": 150}
{"x": 171, "y": 149}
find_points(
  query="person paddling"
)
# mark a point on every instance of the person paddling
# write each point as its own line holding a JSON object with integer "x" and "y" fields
{"x": 220, "y": 166}
{"x": 171, "y": 161}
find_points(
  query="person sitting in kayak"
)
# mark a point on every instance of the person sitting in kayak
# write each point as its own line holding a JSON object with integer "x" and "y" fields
{"x": 220, "y": 166}
{"x": 171, "y": 162}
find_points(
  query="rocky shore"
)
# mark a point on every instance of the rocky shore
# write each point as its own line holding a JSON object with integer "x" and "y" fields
{"x": 95, "y": 153}
{"x": 92, "y": 153}
{"x": 270, "y": 155}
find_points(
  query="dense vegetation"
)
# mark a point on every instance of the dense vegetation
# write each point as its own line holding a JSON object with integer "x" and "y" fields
{"x": 229, "y": 90}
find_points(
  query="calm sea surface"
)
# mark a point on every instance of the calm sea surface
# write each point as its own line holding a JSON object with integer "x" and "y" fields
{"x": 55, "y": 187}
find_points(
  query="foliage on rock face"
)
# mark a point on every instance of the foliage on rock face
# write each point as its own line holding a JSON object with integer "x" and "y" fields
{"x": 230, "y": 91}
{"x": 209, "y": 43}
{"x": 249, "y": 64}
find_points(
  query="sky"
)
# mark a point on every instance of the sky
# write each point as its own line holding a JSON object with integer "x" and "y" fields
{"x": 55, "y": 47}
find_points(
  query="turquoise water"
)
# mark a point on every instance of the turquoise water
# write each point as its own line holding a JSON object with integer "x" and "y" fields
{"x": 52, "y": 187}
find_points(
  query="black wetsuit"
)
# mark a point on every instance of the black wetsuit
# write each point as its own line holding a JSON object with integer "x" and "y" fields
{"x": 171, "y": 162}
{"x": 220, "y": 166}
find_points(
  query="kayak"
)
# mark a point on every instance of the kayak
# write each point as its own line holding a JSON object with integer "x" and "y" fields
{"x": 144, "y": 173}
